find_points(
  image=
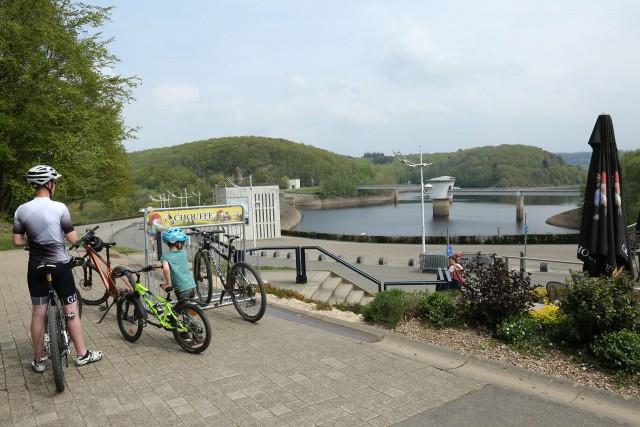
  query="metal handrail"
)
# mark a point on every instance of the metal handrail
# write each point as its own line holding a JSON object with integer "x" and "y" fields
{"x": 301, "y": 267}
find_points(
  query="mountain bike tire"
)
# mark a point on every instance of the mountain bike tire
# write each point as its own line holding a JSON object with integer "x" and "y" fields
{"x": 93, "y": 290}
{"x": 247, "y": 291}
{"x": 130, "y": 314}
{"x": 197, "y": 336}
{"x": 202, "y": 277}
{"x": 56, "y": 345}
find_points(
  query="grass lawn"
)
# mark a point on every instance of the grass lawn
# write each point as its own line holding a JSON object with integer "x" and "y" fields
{"x": 5, "y": 235}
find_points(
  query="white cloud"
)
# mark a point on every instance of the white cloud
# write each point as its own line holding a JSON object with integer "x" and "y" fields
{"x": 176, "y": 97}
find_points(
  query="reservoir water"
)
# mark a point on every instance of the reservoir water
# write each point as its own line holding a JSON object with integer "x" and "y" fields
{"x": 468, "y": 216}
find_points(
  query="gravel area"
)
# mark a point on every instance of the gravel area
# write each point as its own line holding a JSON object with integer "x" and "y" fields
{"x": 554, "y": 362}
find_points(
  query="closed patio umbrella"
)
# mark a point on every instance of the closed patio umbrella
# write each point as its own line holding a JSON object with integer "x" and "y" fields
{"x": 604, "y": 237}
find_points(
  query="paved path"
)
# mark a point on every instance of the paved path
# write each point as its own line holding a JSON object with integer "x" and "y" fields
{"x": 277, "y": 372}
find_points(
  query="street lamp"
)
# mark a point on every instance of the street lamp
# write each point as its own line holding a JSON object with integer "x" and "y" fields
{"x": 421, "y": 165}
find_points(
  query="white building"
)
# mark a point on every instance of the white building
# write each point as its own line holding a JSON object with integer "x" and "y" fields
{"x": 294, "y": 184}
{"x": 261, "y": 206}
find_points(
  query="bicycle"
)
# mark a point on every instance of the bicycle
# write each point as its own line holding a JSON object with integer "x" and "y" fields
{"x": 88, "y": 272}
{"x": 239, "y": 279}
{"x": 56, "y": 337}
{"x": 190, "y": 327}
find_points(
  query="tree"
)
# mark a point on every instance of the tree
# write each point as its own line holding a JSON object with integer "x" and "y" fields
{"x": 59, "y": 103}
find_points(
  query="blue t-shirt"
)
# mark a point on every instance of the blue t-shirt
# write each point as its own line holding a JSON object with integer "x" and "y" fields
{"x": 181, "y": 278}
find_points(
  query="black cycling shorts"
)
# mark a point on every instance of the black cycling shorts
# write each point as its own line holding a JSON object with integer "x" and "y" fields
{"x": 63, "y": 282}
{"x": 189, "y": 293}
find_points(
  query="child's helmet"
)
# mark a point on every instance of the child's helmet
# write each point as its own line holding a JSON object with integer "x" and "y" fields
{"x": 174, "y": 235}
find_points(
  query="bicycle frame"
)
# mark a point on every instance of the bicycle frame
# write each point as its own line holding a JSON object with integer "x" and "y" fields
{"x": 167, "y": 305}
{"x": 94, "y": 257}
{"x": 209, "y": 244}
{"x": 92, "y": 260}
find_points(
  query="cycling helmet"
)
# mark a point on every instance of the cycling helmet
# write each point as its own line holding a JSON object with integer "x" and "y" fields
{"x": 174, "y": 235}
{"x": 41, "y": 174}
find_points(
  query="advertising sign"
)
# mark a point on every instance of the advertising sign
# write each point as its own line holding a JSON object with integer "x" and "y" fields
{"x": 163, "y": 218}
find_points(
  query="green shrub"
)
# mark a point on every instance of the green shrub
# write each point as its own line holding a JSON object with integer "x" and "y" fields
{"x": 412, "y": 307}
{"x": 492, "y": 293}
{"x": 439, "y": 308}
{"x": 619, "y": 350}
{"x": 520, "y": 328}
{"x": 387, "y": 308}
{"x": 561, "y": 332}
{"x": 597, "y": 306}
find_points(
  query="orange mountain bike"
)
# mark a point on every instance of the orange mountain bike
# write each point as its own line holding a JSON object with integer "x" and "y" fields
{"x": 98, "y": 282}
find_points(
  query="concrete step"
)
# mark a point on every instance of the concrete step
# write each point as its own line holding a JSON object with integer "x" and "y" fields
{"x": 341, "y": 293}
{"x": 322, "y": 285}
{"x": 327, "y": 288}
{"x": 315, "y": 279}
{"x": 355, "y": 297}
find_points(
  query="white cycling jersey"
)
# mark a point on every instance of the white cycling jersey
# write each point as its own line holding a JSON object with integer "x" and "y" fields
{"x": 45, "y": 222}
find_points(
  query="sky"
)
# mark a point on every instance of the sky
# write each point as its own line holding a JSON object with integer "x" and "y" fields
{"x": 357, "y": 76}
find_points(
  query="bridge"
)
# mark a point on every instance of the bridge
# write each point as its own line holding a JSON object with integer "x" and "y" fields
{"x": 441, "y": 205}
{"x": 513, "y": 191}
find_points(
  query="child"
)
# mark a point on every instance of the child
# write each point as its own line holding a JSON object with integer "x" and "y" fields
{"x": 457, "y": 272}
{"x": 175, "y": 265}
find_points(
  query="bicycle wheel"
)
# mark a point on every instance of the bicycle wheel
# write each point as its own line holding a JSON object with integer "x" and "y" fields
{"x": 56, "y": 343}
{"x": 248, "y": 294}
{"x": 202, "y": 276}
{"x": 192, "y": 330}
{"x": 89, "y": 282}
{"x": 130, "y": 313}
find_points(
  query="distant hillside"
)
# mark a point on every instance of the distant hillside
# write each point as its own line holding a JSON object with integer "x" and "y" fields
{"x": 253, "y": 160}
{"x": 202, "y": 165}
{"x": 507, "y": 165}
{"x": 581, "y": 159}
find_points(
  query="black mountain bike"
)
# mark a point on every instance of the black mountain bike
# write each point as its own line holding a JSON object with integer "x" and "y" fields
{"x": 239, "y": 279}
{"x": 56, "y": 336}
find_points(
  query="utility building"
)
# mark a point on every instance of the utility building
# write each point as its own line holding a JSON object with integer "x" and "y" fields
{"x": 261, "y": 208}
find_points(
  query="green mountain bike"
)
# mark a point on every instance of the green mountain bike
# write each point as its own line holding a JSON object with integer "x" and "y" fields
{"x": 136, "y": 309}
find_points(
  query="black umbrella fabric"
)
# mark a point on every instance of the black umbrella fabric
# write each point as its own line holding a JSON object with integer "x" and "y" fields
{"x": 604, "y": 237}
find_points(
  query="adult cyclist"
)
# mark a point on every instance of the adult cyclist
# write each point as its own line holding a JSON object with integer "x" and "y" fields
{"x": 43, "y": 225}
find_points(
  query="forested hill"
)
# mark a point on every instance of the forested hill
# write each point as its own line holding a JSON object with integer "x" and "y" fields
{"x": 506, "y": 166}
{"x": 201, "y": 165}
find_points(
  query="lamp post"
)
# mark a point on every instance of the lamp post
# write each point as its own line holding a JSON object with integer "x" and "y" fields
{"x": 421, "y": 165}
